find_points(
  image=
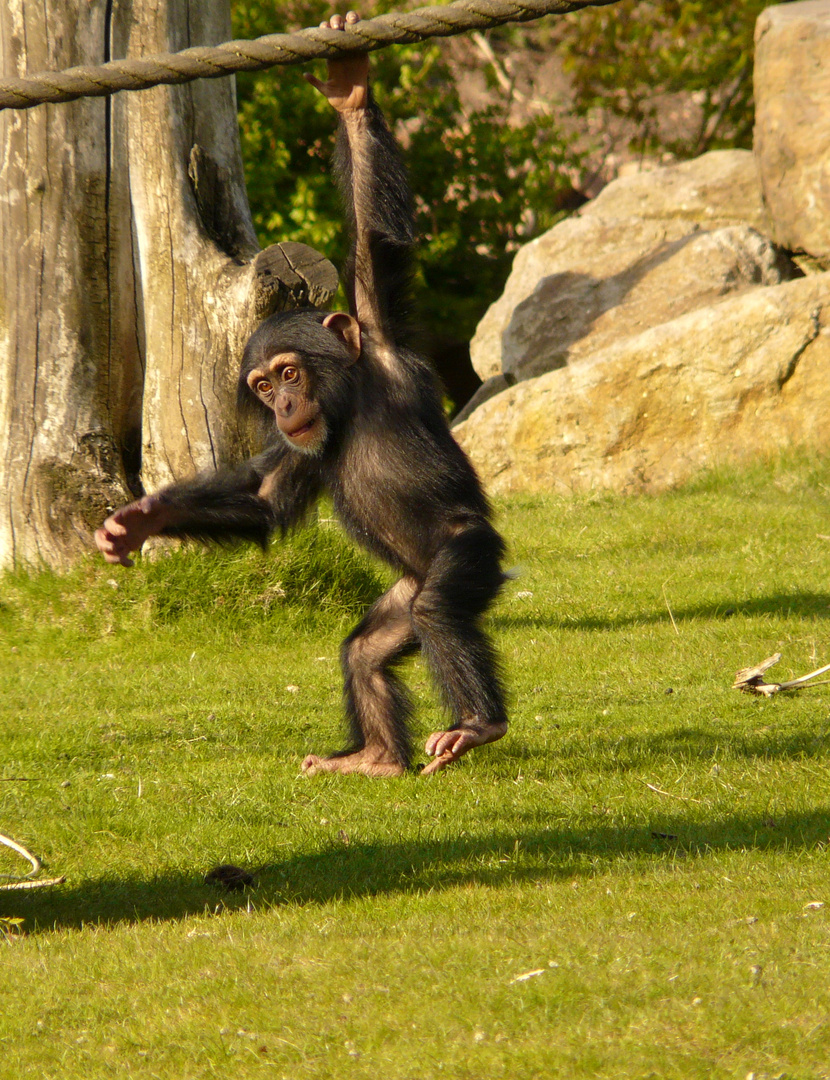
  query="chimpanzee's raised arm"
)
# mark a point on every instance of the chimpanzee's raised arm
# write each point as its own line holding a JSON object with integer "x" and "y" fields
{"x": 375, "y": 189}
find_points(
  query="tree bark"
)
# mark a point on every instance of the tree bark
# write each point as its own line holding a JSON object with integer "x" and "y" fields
{"x": 130, "y": 278}
{"x": 68, "y": 349}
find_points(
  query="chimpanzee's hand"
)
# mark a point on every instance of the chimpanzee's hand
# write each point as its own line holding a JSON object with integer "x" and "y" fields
{"x": 347, "y": 87}
{"x": 128, "y": 528}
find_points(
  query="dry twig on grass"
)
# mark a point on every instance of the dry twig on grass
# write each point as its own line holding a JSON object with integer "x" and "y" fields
{"x": 751, "y": 679}
{"x": 671, "y": 794}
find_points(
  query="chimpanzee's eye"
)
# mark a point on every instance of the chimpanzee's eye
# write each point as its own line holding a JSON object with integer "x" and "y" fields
{"x": 263, "y": 387}
{"x": 290, "y": 374}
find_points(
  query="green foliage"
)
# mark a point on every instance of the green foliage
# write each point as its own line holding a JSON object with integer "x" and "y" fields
{"x": 624, "y": 57}
{"x": 478, "y": 179}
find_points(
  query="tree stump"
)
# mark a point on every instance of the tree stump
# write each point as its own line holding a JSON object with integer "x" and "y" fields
{"x": 131, "y": 275}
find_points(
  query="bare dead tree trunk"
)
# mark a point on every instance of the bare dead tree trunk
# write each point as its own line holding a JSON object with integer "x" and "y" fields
{"x": 130, "y": 274}
{"x": 68, "y": 350}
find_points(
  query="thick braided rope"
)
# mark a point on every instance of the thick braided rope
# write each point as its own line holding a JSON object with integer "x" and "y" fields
{"x": 264, "y": 52}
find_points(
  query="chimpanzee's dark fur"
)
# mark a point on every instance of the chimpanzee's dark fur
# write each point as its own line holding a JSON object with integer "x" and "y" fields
{"x": 400, "y": 483}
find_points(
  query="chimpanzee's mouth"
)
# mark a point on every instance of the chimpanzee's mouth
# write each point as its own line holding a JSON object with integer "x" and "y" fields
{"x": 300, "y": 431}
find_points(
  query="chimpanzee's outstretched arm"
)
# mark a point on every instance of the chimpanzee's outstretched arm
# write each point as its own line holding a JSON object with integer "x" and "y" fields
{"x": 271, "y": 491}
{"x": 375, "y": 189}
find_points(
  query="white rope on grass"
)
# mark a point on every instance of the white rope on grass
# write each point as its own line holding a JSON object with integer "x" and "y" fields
{"x": 24, "y": 881}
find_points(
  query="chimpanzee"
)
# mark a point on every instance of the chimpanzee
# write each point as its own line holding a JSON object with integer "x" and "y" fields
{"x": 358, "y": 415}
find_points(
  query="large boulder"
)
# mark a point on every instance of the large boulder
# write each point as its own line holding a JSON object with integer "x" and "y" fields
{"x": 792, "y": 123}
{"x": 647, "y": 280}
{"x": 731, "y": 381}
{"x": 649, "y": 247}
{"x": 665, "y": 328}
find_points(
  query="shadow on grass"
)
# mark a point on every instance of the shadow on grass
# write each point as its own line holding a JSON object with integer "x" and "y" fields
{"x": 789, "y": 605}
{"x": 339, "y": 872}
{"x": 722, "y": 742}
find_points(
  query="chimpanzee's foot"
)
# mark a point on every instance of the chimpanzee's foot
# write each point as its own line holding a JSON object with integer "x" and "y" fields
{"x": 368, "y": 762}
{"x": 448, "y": 746}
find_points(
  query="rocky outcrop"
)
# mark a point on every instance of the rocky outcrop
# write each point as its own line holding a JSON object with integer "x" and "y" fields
{"x": 792, "y": 123}
{"x": 635, "y": 233}
{"x": 727, "y": 382}
{"x": 646, "y": 279}
{"x": 666, "y": 328}
{"x": 489, "y": 388}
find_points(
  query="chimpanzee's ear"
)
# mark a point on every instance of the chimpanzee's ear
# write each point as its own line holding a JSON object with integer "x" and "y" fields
{"x": 347, "y": 329}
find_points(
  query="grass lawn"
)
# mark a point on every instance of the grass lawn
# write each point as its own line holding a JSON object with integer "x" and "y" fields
{"x": 629, "y": 885}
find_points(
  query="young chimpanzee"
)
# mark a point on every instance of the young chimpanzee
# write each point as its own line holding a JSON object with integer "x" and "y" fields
{"x": 358, "y": 415}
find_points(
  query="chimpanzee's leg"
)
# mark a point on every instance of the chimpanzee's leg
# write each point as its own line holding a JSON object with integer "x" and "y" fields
{"x": 463, "y": 580}
{"x": 377, "y": 704}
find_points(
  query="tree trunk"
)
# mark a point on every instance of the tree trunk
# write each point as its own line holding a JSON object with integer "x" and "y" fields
{"x": 131, "y": 276}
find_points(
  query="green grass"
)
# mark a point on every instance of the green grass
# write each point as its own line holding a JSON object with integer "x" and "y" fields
{"x": 161, "y": 720}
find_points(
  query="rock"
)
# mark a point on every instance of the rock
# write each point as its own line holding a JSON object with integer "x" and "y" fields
{"x": 570, "y": 314}
{"x": 715, "y": 189}
{"x": 792, "y": 123}
{"x": 630, "y": 229}
{"x": 740, "y": 378}
{"x": 487, "y": 390}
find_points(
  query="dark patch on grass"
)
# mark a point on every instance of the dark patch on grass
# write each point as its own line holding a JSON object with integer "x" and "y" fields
{"x": 497, "y": 860}
{"x": 808, "y": 605}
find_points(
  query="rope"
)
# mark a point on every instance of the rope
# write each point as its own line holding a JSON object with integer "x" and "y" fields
{"x": 316, "y": 43}
{"x": 25, "y": 881}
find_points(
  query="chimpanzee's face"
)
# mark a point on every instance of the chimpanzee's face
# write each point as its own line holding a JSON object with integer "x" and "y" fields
{"x": 284, "y": 384}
